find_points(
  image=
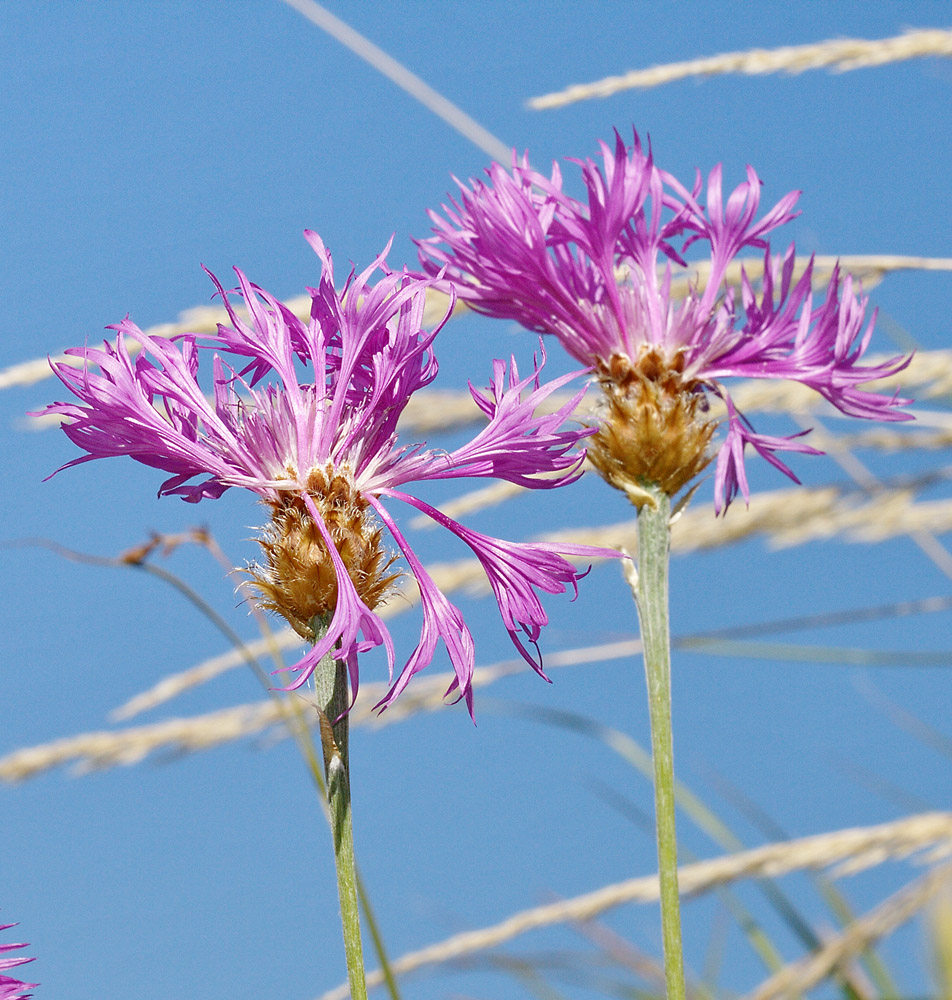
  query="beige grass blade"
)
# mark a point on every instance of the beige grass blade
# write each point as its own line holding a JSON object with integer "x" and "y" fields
{"x": 928, "y": 376}
{"x": 870, "y": 269}
{"x": 895, "y": 840}
{"x": 200, "y": 319}
{"x": 175, "y": 684}
{"x": 841, "y": 54}
{"x": 925, "y": 539}
{"x": 787, "y": 517}
{"x": 101, "y": 750}
{"x": 796, "y": 979}
{"x": 940, "y": 937}
{"x": 885, "y": 439}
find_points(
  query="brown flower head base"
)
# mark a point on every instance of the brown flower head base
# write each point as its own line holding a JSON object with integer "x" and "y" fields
{"x": 299, "y": 581}
{"x": 652, "y": 425}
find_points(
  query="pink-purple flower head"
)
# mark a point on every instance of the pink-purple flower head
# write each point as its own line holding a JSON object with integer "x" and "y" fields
{"x": 600, "y": 274}
{"x": 304, "y": 414}
{"x": 10, "y": 988}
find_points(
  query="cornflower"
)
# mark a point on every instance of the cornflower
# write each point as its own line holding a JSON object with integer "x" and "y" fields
{"x": 10, "y": 988}
{"x": 599, "y": 276}
{"x": 323, "y": 456}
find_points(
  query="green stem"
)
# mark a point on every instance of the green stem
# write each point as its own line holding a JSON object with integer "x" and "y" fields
{"x": 333, "y": 699}
{"x": 651, "y": 598}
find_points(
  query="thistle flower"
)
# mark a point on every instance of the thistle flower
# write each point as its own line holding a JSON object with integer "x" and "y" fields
{"x": 599, "y": 277}
{"x": 10, "y": 988}
{"x": 323, "y": 457}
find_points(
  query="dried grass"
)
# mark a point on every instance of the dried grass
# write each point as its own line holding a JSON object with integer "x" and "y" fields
{"x": 795, "y": 979}
{"x": 863, "y": 847}
{"x": 98, "y": 751}
{"x": 928, "y": 376}
{"x": 842, "y": 54}
{"x": 785, "y": 518}
{"x": 449, "y": 576}
{"x": 175, "y": 684}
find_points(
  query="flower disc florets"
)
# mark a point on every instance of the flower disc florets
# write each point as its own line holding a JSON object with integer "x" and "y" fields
{"x": 599, "y": 275}
{"x": 304, "y": 414}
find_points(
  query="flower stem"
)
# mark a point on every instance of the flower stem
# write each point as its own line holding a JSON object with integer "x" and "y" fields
{"x": 333, "y": 699}
{"x": 651, "y": 598}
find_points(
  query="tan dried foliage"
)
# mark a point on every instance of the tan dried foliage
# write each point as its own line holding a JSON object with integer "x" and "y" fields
{"x": 863, "y": 847}
{"x": 796, "y": 979}
{"x": 101, "y": 750}
{"x": 449, "y": 576}
{"x": 787, "y": 517}
{"x": 841, "y": 54}
{"x": 928, "y": 376}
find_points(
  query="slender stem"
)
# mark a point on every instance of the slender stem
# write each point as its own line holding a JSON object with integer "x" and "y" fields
{"x": 333, "y": 699}
{"x": 651, "y": 598}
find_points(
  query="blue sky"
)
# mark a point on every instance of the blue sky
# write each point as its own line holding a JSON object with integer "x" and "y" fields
{"x": 141, "y": 141}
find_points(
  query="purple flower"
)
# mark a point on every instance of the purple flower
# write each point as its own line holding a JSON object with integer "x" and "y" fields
{"x": 10, "y": 988}
{"x": 323, "y": 456}
{"x": 598, "y": 275}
